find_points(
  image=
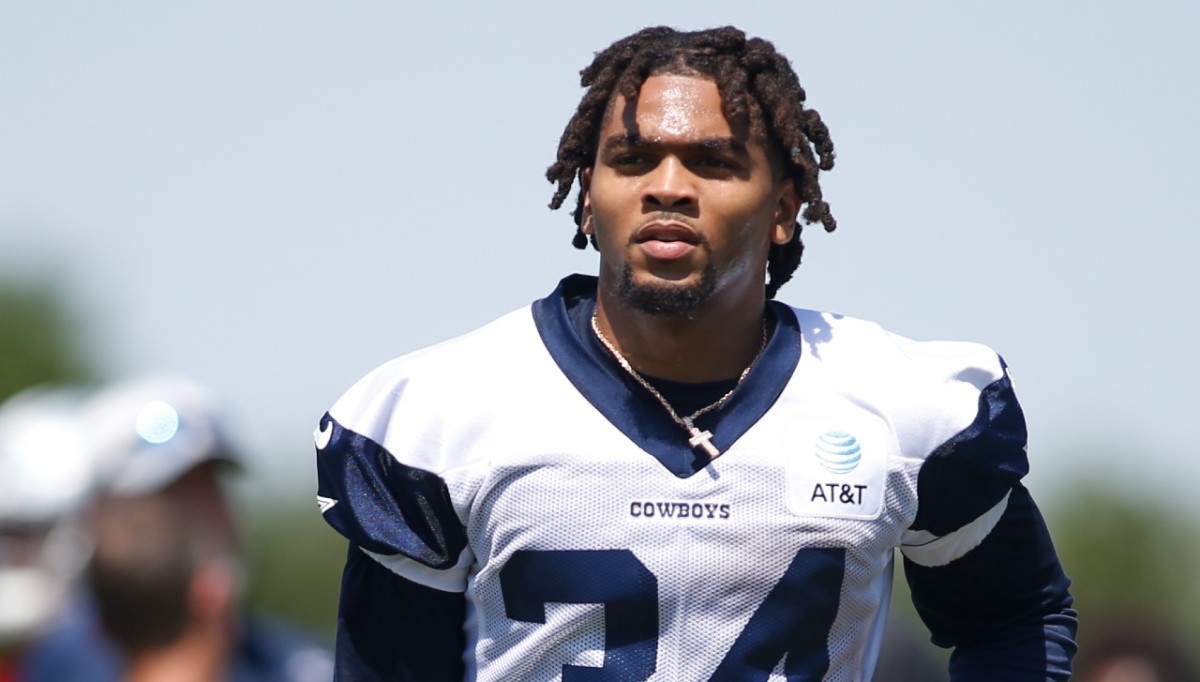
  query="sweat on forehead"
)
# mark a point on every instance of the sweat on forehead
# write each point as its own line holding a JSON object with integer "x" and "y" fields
{"x": 673, "y": 108}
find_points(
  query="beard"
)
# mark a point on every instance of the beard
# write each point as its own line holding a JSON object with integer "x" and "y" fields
{"x": 666, "y": 299}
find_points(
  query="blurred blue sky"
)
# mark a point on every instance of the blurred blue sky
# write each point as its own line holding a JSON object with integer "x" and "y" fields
{"x": 274, "y": 197}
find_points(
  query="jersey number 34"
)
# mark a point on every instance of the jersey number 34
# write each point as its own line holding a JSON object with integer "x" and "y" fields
{"x": 793, "y": 620}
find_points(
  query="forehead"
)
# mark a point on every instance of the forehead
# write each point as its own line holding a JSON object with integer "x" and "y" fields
{"x": 671, "y": 107}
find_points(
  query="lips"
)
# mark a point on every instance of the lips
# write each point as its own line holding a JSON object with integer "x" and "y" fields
{"x": 663, "y": 240}
{"x": 664, "y": 231}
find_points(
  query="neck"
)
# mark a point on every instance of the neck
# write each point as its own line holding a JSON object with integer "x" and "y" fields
{"x": 715, "y": 344}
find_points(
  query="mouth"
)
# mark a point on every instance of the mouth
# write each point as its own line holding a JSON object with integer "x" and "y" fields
{"x": 666, "y": 240}
{"x": 666, "y": 231}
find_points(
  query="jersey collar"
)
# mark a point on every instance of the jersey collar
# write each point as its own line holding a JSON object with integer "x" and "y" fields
{"x": 563, "y": 320}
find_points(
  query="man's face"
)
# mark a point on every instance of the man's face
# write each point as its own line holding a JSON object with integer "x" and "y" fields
{"x": 684, "y": 208}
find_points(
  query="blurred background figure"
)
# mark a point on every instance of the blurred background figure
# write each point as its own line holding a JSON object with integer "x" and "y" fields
{"x": 1130, "y": 648}
{"x": 166, "y": 595}
{"x": 45, "y": 479}
{"x": 166, "y": 576}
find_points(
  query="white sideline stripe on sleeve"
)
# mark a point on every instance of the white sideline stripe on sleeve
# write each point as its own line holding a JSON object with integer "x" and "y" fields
{"x": 453, "y": 579}
{"x": 927, "y": 549}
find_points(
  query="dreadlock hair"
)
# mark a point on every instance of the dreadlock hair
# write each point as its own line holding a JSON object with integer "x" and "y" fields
{"x": 758, "y": 88}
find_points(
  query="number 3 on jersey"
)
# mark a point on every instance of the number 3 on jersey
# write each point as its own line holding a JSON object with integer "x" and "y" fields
{"x": 793, "y": 620}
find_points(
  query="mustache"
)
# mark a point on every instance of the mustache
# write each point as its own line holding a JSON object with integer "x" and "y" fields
{"x": 667, "y": 217}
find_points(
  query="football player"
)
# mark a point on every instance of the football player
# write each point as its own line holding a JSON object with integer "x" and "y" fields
{"x": 661, "y": 472}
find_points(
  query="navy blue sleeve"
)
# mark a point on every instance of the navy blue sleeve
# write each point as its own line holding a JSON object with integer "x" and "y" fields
{"x": 393, "y": 629}
{"x": 1004, "y": 606}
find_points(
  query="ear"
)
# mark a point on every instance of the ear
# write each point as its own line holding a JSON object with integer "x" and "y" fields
{"x": 212, "y": 592}
{"x": 787, "y": 207}
{"x": 585, "y": 188}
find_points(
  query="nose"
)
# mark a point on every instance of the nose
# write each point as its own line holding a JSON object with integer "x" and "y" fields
{"x": 669, "y": 185}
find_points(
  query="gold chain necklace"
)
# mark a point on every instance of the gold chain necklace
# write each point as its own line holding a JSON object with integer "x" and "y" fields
{"x": 698, "y": 439}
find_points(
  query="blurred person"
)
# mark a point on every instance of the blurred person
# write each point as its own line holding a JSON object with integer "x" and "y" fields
{"x": 1134, "y": 648}
{"x": 166, "y": 575}
{"x": 45, "y": 478}
{"x": 166, "y": 594}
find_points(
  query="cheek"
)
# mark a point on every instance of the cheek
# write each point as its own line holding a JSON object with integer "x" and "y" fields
{"x": 748, "y": 221}
{"x": 607, "y": 207}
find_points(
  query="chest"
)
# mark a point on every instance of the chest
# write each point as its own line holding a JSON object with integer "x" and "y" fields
{"x": 598, "y": 541}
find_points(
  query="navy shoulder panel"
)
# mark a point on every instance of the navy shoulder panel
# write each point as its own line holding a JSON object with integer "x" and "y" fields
{"x": 973, "y": 471}
{"x": 382, "y": 505}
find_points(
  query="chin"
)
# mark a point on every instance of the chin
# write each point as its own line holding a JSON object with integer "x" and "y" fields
{"x": 667, "y": 298}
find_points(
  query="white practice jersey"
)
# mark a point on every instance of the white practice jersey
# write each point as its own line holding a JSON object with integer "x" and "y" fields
{"x": 518, "y": 467}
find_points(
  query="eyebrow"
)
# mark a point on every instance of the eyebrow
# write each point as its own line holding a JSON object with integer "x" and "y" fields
{"x": 712, "y": 144}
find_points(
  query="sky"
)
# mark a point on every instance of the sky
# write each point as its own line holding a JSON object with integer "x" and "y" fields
{"x": 275, "y": 197}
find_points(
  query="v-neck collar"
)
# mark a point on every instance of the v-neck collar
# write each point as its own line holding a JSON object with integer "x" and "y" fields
{"x": 562, "y": 320}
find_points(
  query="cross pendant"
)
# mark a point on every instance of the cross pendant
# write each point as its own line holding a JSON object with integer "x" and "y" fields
{"x": 703, "y": 440}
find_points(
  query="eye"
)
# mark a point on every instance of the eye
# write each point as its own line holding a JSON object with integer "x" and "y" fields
{"x": 631, "y": 162}
{"x": 628, "y": 159}
{"x": 715, "y": 166}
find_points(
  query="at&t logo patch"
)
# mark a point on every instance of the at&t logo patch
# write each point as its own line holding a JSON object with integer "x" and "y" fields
{"x": 840, "y": 476}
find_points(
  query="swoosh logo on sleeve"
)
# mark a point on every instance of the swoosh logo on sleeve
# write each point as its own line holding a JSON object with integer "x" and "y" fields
{"x": 322, "y": 435}
{"x": 325, "y": 503}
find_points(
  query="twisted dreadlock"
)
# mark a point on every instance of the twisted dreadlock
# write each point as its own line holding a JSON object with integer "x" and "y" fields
{"x": 757, "y": 86}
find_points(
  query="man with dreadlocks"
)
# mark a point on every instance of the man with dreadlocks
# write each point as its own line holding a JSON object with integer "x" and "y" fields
{"x": 661, "y": 473}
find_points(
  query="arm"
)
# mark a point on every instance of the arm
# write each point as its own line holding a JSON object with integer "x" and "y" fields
{"x": 390, "y": 628}
{"x": 402, "y": 606}
{"x": 1004, "y": 606}
{"x": 979, "y": 561}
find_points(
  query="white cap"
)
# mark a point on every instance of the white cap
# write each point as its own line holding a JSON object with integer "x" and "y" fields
{"x": 147, "y": 433}
{"x": 46, "y": 477}
{"x": 45, "y": 469}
